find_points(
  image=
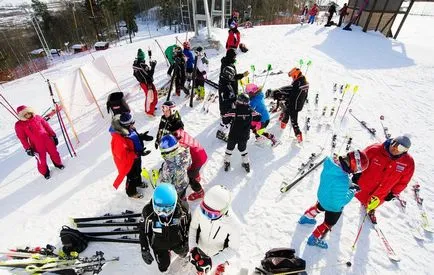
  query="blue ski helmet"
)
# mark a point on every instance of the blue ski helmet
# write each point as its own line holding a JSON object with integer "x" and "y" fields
{"x": 164, "y": 201}
{"x": 168, "y": 144}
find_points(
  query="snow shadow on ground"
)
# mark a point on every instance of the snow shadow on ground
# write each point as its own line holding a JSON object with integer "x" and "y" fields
{"x": 378, "y": 53}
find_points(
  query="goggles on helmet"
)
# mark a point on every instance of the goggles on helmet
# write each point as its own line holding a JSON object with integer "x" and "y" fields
{"x": 356, "y": 163}
{"x": 211, "y": 213}
{"x": 163, "y": 210}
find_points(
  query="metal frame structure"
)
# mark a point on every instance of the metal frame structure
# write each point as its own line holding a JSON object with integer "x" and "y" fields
{"x": 382, "y": 14}
{"x": 202, "y": 15}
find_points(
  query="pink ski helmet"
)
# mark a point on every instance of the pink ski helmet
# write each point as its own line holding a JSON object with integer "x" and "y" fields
{"x": 252, "y": 89}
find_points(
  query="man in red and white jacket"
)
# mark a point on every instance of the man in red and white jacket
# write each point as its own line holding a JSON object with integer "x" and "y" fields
{"x": 390, "y": 170}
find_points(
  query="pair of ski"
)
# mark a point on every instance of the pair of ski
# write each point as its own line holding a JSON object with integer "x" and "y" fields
{"x": 151, "y": 177}
{"x": 422, "y": 223}
{"x": 82, "y": 265}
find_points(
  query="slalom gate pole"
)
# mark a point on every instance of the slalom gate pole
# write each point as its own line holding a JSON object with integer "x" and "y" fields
{"x": 165, "y": 57}
{"x": 12, "y": 113}
{"x": 307, "y": 67}
{"x": 66, "y": 132}
{"x": 172, "y": 81}
{"x": 269, "y": 68}
{"x": 58, "y": 117}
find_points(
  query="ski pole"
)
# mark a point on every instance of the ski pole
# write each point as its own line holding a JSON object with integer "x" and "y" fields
{"x": 301, "y": 62}
{"x": 307, "y": 67}
{"x": 165, "y": 57}
{"x": 347, "y": 86}
{"x": 7, "y": 102}
{"x": 12, "y": 113}
{"x": 359, "y": 231}
{"x": 355, "y": 89}
{"x": 252, "y": 68}
{"x": 268, "y": 73}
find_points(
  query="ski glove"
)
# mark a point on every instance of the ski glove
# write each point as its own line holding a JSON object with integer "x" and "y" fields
{"x": 153, "y": 63}
{"x": 56, "y": 140}
{"x": 355, "y": 187}
{"x": 145, "y": 152}
{"x": 147, "y": 257}
{"x": 30, "y": 152}
{"x": 390, "y": 196}
{"x": 200, "y": 260}
{"x": 373, "y": 203}
{"x": 145, "y": 136}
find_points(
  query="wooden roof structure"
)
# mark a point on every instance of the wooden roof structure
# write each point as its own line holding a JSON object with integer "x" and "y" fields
{"x": 379, "y": 15}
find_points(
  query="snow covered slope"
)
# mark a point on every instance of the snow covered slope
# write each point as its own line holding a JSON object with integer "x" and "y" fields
{"x": 395, "y": 79}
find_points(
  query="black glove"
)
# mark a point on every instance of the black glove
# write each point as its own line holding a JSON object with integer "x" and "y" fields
{"x": 156, "y": 144}
{"x": 389, "y": 197}
{"x": 56, "y": 141}
{"x": 153, "y": 63}
{"x": 200, "y": 260}
{"x": 30, "y": 152}
{"x": 145, "y": 136}
{"x": 145, "y": 152}
{"x": 355, "y": 187}
{"x": 147, "y": 257}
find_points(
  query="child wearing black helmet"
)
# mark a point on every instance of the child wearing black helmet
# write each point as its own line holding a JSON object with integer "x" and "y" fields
{"x": 170, "y": 121}
{"x": 239, "y": 133}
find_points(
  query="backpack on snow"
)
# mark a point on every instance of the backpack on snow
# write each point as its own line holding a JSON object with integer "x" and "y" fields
{"x": 243, "y": 47}
{"x": 73, "y": 240}
{"x": 279, "y": 260}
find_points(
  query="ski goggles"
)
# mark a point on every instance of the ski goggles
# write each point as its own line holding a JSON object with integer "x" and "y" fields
{"x": 211, "y": 213}
{"x": 399, "y": 147}
{"x": 163, "y": 210}
{"x": 356, "y": 163}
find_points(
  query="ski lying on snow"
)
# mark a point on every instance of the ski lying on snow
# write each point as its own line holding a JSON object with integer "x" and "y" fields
{"x": 389, "y": 250}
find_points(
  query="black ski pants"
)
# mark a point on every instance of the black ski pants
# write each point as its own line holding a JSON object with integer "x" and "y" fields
{"x": 134, "y": 177}
{"x": 242, "y": 144}
{"x": 193, "y": 176}
{"x": 330, "y": 218}
{"x": 287, "y": 114}
{"x": 162, "y": 257}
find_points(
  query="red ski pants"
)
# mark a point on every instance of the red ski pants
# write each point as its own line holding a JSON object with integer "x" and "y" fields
{"x": 151, "y": 97}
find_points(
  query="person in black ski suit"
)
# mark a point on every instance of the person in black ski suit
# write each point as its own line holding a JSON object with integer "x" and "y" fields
{"x": 228, "y": 90}
{"x": 239, "y": 133}
{"x": 164, "y": 227}
{"x": 178, "y": 68}
{"x": 294, "y": 97}
{"x": 331, "y": 11}
{"x": 170, "y": 121}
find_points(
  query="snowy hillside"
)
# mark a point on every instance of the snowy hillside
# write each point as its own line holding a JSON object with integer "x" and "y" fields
{"x": 395, "y": 79}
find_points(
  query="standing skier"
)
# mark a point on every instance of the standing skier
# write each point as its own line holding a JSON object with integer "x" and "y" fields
{"x": 342, "y": 13}
{"x": 174, "y": 168}
{"x": 391, "y": 169}
{"x": 257, "y": 103}
{"x": 38, "y": 139}
{"x": 294, "y": 97}
{"x": 170, "y": 121}
{"x": 331, "y": 11}
{"x": 164, "y": 227}
{"x": 242, "y": 118}
{"x": 198, "y": 158}
{"x": 214, "y": 235}
{"x": 312, "y": 13}
{"x": 201, "y": 71}
{"x": 189, "y": 63}
{"x": 178, "y": 69}
{"x": 127, "y": 148}
{"x": 234, "y": 36}
{"x": 334, "y": 192}
{"x": 169, "y": 53}
{"x": 145, "y": 75}
{"x": 228, "y": 90}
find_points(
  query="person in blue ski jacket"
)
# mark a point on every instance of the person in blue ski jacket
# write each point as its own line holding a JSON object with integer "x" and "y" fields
{"x": 334, "y": 192}
{"x": 257, "y": 103}
{"x": 189, "y": 64}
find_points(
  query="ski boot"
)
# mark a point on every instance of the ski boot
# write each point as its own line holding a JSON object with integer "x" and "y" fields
{"x": 306, "y": 220}
{"x": 47, "y": 175}
{"x": 313, "y": 241}
{"x": 221, "y": 135}
{"x": 196, "y": 195}
{"x": 299, "y": 138}
{"x": 61, "y": 166}
{"x": 226, "y": 166}
{"x": 136, "y": 196}
{"x": 246, "y": 166}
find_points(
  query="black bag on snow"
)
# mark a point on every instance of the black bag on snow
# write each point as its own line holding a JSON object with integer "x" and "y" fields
{"x": 73, "y": 240}
{"x": 243, "y": 48}
{"x": 282, "y": 260}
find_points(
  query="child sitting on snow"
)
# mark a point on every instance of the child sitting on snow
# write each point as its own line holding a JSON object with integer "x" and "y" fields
{"x": 257, "y": 103}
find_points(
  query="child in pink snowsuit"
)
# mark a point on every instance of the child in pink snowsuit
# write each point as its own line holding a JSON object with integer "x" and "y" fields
{"x": 38, "y": 139}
